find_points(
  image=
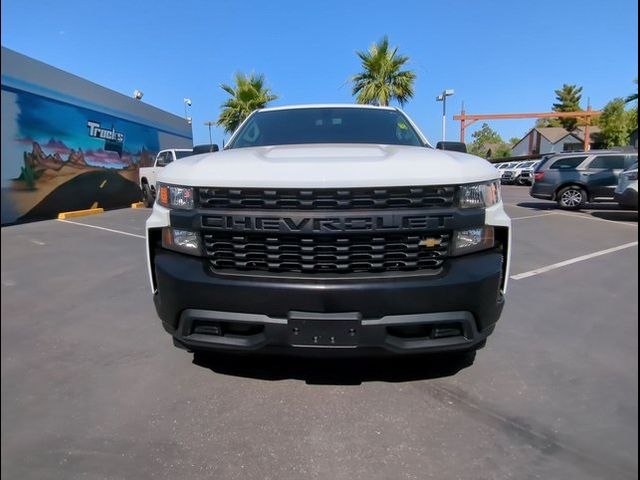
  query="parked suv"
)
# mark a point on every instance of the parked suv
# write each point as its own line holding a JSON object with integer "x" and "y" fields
{"x": 572, "y": 180}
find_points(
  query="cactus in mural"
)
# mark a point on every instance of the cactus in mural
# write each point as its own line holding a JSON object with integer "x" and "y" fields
{"x": 27, "y": 174}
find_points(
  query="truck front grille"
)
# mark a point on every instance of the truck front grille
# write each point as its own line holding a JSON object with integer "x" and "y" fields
{"x": 327, "y": 199}
{"x": 325, "y": 254}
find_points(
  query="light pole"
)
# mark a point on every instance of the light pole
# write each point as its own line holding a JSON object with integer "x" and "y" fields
{"x": 443, "y": 98}
{"x": 209, "y": 124}
{"x": 187, "y": 103}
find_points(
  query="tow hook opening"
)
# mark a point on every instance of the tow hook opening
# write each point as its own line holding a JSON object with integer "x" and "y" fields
{"x": 207, "y": 327}
{"x": 441, "y": 330}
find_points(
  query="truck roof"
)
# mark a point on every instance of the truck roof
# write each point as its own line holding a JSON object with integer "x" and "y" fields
{"x": 325, "y": 105}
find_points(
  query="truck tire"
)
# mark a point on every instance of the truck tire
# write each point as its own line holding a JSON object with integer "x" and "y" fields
{"x": 571, "y": 197}
{"x": 147, "y": 195}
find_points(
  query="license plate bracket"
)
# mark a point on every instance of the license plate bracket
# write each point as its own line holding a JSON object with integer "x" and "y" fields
{"x": 324, "y": 330}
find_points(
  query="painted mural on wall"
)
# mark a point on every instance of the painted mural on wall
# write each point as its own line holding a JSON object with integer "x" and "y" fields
{"x": 60, "y": 157}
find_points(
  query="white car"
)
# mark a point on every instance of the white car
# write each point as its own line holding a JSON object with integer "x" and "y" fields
{"x": 626, "y": 193}
{"x": 324, "y": 229}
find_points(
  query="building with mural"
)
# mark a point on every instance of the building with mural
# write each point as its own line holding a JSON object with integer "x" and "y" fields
{"x": 69, "y": 144}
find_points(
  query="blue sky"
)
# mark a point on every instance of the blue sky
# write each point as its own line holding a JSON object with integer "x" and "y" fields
{"x": 499, "y": 56}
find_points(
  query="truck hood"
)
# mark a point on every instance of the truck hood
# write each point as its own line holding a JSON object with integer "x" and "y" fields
{"x": 328, "y": 166}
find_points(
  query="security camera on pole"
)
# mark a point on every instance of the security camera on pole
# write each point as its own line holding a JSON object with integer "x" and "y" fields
{"x": 187, "y": 103}
{"x": 443, "y": 98}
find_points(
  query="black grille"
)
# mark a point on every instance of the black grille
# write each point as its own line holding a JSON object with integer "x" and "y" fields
{"x": 327, "y": 199}
{"x": 325, "y": 254}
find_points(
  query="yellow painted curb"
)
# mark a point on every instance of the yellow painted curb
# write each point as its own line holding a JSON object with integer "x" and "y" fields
{"x": 137, "y": 205}
{"x": 79, "y": 213}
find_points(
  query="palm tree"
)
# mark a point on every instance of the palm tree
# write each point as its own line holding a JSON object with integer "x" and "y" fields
{"x": 248, "y": 94}
{"x": 382, "y": 79}
{"x": 634, "y": 96}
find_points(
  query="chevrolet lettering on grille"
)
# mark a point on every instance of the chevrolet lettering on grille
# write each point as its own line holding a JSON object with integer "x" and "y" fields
{"x": 301, "y": 224}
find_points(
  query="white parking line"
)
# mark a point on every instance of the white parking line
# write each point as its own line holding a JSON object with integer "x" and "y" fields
{"x": 589, "y": 217}
{"x": 582, "y": 258}
{"x": 103, "y": 228}
{"x": 533, "y": 216}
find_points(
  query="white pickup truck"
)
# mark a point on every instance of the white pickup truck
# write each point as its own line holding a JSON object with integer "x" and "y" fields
{"x": 147, "y": 175}
{"x": 329, "y": 229}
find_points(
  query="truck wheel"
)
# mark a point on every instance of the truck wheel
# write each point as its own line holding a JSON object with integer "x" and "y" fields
{"x": 147, "y": 195}
{"x": 571, "y": 198}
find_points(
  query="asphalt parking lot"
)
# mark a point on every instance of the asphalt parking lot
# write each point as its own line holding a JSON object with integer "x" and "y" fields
{"x": 93, "y": 388}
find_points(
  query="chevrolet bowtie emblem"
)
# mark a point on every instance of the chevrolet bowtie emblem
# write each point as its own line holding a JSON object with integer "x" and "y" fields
{"x": 430, "y": 242}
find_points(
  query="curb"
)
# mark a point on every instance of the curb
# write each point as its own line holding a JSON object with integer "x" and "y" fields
{"x": 79, "y": 213}
{"x": 137, "y": 205}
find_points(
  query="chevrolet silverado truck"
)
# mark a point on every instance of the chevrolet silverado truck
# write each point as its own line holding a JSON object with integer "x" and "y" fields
{"x": 329, "y": 229}
{"x": 147, "y": 175}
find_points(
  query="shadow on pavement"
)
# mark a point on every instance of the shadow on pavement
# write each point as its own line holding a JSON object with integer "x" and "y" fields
{"x": 334, "y": 371}
{"x": 538, "y": 205}
{"x": 619, "y": 216}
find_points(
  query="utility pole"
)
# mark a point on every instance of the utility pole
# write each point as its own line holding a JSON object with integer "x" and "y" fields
{"x": 587, "y": 136}
{"x": 209, "y": 124}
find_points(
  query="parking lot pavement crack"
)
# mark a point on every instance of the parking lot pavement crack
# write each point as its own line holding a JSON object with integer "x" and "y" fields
{"x": 540, "y": 438}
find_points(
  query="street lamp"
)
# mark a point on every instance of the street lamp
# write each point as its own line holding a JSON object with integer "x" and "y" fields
{"x": 443, "y": 98}
{"x": 209, "y": 124}
{"x": 187, "y": 103}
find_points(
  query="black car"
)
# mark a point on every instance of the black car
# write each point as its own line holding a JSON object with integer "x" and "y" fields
{"x": 574, "y": 179}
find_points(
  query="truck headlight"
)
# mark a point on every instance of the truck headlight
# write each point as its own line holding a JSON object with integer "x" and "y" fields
{"x": 472, "y": 240}
{"x": 183, "y": 241}
{"x": 175, "y": 196}
{"x": 479, "y": 195}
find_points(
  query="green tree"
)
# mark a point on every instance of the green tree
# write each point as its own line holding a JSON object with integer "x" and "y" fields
{"x": 502, "y": 151}
{"x": 382, "y": 78}
{"x": 568, "y": 100}
{"x": 482, "y": 139}
{"x": 548, "y": 122}
{"x": 248, "y": 94}
{"x": 614, "y": 123}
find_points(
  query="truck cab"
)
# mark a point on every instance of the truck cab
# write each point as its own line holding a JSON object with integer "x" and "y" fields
{"x": 329, "y": 230}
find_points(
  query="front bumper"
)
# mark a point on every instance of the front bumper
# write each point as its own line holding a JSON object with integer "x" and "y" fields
{"x": 451, "y": 310}
{"x": 628, "y": 198}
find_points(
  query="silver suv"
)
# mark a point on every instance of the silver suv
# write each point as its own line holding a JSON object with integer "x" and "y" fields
{"x": 574, "y": 179}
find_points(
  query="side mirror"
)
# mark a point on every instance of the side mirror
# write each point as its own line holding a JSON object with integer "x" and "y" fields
{"x": 207, "y": 148}
{"x": 452, "y": 146}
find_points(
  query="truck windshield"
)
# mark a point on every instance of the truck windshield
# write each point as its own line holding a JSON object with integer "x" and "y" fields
{"x": 326, "y": 125}
{"x": 182, "y": 154}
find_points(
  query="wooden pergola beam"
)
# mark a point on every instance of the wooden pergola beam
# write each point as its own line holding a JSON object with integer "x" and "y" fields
{"x": 467, "y": 119}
